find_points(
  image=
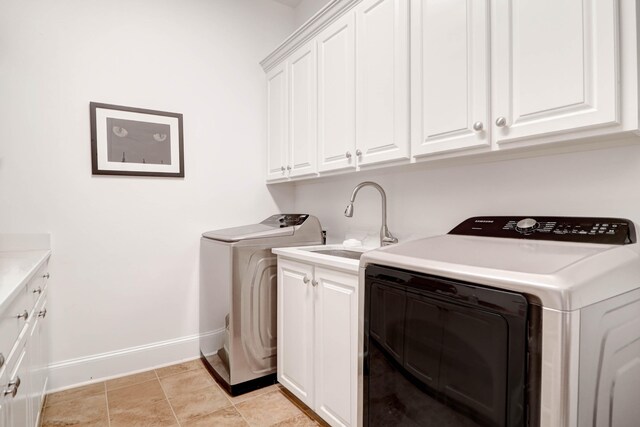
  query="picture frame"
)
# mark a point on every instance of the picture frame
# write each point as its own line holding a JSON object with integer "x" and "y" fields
{"x": 135, "y": 141}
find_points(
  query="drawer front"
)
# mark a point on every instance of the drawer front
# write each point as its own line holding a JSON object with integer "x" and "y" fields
{"x": 38, "y": 284}
{"x": 11, "y": 325}
{"x": 20, "y": 312}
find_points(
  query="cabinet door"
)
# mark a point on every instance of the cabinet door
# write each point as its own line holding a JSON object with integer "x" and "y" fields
{"x": 4, "y": 400}
{"x": 555, "y": 66}
{"x": 382, "y": 83}
{"x": 336, "y": 367}
{"x": 277, "y": 123}
{"x": 450, "y": 75}
{"x": 295, "y": 329}
{"x": 303, "y": 84}
{"x": 17, "y": 407}
{"x": 336, "y": 95}
{"x": 38, "y": 360}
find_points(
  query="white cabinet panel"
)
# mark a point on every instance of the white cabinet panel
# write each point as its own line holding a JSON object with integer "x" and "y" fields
{"x": 318, "y": 338}
{"x": 382, "y": 92}
{"x": 450, "y": 79}
{"x": 277, "y": 111}
{"x": 304, "y": 110}
{"x": 336, "y": 331}
{"x": 336, "y": 95}
{"x": 38, "y": 350}
{"x": 17, "y": 406}
{"x": 555, "y": 66}
{"x": 24, "y": 370}
{"x": 295, "y": 329}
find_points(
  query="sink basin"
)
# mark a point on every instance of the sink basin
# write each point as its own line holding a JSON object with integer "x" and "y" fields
{"x": 344, "y": 253}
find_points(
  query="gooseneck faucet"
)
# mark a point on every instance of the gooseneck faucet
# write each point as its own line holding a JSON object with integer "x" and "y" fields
{"x": 386, "y": 238}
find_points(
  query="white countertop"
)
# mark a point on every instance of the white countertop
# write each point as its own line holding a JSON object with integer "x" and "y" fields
{"x": 21, "y": 255}
{"x": 304, "y": 253}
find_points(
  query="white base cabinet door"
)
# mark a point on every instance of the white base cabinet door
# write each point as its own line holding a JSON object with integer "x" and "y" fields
{"x": 336, "y": 346}
{"x": 39, "y": 355}
{"x": 18, "y": 403}
{"x": 295, "y": 329}
{"x": 318, "y": 338}
{"x": 23, "y": 373}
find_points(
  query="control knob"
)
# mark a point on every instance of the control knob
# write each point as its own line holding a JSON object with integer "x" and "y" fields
{"x": 526, "y": 225}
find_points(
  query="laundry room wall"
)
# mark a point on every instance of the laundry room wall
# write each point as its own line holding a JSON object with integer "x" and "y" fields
{"x": 124, "y": 269}
{"x": 431, "y": 198}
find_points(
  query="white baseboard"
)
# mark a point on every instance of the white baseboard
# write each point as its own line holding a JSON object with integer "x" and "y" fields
{"x": 100, "y": 367}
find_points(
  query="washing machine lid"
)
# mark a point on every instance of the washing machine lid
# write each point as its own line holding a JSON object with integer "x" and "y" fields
{"x": 563, "y": 273}
{"x": 275, "y": 226}
{"x": 253, "y": 231}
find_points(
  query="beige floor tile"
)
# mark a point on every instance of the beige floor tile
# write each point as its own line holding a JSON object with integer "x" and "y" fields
{"x": 268, "y": 409}
{"x": 125, "y": 398}
{"x": 244, "y": 397}
{"x": 301, "y": 420}
{"x": 308, "y": 411}
{"x": 227, "y": 417}
{"x": 179, "y": 368}
{"x": 75, "y": 393}
{"x": 186, "y": 382}
{"x": 199, "y": 402}
{"x": 86, "y": 411}
{"x": 131, "y": 380}
{"x": 156, "y": 414}
{"x": 316, "y": 418}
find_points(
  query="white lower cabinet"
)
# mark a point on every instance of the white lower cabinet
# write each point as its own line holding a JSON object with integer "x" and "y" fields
{"x": 17, "y": 392}
{"x": 318, "y": 338}
{"x": 295, "y": 329}
{"x": 23, "y": 371}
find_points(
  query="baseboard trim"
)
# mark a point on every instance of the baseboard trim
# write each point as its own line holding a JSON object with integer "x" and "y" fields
{"x": 104, "y": 366}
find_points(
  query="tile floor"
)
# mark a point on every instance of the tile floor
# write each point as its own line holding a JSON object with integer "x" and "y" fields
{"x": 178, "y": 395}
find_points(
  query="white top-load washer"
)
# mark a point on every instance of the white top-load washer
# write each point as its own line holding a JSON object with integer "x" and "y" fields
{"x": 582, "y": 278}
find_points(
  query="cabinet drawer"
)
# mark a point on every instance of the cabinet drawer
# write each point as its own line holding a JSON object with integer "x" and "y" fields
{"x": 38, "y": 283}
{"x": 11, "y": 325}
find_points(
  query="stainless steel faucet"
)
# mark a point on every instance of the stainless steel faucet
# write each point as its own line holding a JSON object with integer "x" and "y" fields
{"x": 386, "y": 238}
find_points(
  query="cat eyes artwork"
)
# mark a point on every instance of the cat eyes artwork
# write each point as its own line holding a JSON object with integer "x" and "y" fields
{"x": 135, "y": 141}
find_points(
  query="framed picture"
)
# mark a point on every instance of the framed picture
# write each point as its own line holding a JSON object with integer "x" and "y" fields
{"x": 134, "y": 141}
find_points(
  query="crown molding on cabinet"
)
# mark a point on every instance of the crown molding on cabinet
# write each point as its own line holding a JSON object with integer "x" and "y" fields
{"x": 325, "y": 16}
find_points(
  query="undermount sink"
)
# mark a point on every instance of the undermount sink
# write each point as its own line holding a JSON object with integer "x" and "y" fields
{"x": 344, "y": 253}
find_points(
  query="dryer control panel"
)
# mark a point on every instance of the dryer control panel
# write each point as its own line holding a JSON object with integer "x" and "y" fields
{"x": 611, "y": 231}
{"x": 285, "y": 220}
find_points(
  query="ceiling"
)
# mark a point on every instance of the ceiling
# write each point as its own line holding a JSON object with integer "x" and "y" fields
{"x": 290, "y": 3}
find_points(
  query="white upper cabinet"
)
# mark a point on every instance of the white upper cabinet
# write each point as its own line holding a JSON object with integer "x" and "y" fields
{"x": 373, "y": 82}
{"x": 303, "y": 111}
{"x": 277, "y": 121}
{"x": 382, "y": 81}
{"x": 292, "y": 116}
{"x": 336, "y": 95}
{"x": 450, "y": 75}
{"x": 555, "y": 66}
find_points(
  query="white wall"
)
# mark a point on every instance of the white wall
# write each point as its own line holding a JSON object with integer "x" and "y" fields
{"x": 428, "y": 200}
{"x": 306, "y": 9}
{"x": 124, "y": 270}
